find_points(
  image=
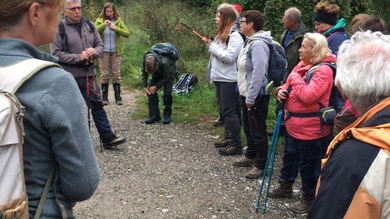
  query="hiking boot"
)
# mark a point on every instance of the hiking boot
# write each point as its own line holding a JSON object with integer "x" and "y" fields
{"x": 117, "y": 90}
{"x": 218, "y": 123}
{"x": 153, "y": 119}
{"x": 254, "y": 173}
{"x": 166, "y": 120}
{"x": 105, "y": 94}
{"x": 229, "y": 150}
{"x": 284, "y": 189}
{"x": 244, "y": 162}
{"x": 113, "y": 143}
{"x": 221, "y": 144}
{"x": 303, "y": 205}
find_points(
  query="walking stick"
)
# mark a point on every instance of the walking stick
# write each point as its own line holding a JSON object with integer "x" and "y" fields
{"x": 190, "y": 29}
{"x": 270, "y": 163}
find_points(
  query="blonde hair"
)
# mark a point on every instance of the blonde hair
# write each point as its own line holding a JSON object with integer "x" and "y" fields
{"x": 151, "y": 64}
{"x": 319, "y": 44}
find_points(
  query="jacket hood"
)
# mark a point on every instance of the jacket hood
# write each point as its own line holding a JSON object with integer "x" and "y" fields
{"x": 262, "y": 35}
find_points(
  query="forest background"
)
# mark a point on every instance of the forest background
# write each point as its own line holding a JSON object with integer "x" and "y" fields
{"x": 152, "y": 21}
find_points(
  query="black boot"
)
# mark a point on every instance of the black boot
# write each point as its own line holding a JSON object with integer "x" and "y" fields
{"x": 117, "y": 89}
{"x": 105, "y": 93}
{"x": 167, "y": 109}
{"x": 154, "y": 111}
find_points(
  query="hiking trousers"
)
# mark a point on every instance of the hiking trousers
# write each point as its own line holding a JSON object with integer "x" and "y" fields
{"x": 309, "y": 154}
{"x": 228, "y": 93}
{"x": 153, "y": 100}
{"x": 255, "y": 128}
{"x": 110, "y": 62}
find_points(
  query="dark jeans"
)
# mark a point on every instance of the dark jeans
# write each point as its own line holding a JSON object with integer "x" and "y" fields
{"x": 228, "y": 97}
{"x": 255, "y": 128}
{"x": 90, "y": 90}
{"x": 305, "y": 156}
{"x": 154, "y": 101}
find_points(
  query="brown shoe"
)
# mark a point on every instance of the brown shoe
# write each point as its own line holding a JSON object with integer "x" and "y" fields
{"x": 115, "y": 142}
{"x": 302, "y": 206}
{"x": 221, "y": 144}
{"x": 244, "y": 162}
{"x": 254, "y": 173}
{"x": 284, "y": 189}
{"x": 229, "y": 150}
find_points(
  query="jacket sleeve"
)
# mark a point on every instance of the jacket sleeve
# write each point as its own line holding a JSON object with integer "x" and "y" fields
{"x": 231, "y": 52}
{"x": 100, "y": 25}
{"x": 320, "y": 83}
{"x": 144, "y": 75}
{"x": 121, "y": 29}
{"x": 72, "y": 144}
{"x": 259, "y": 58}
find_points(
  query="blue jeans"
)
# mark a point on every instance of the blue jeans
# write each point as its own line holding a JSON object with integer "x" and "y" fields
{"x": 305, "y": 156}
{"x": 228, "y": 97}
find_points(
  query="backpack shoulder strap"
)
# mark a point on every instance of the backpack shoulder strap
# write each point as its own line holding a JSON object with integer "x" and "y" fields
{"x": 91, "y": 25}
{"x": 315, "y": 66}
{"x": 64, "y": 37}
{"x": 13, "y": 76}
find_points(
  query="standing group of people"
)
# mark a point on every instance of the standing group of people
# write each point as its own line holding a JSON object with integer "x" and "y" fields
{"x": 239, "y": 70}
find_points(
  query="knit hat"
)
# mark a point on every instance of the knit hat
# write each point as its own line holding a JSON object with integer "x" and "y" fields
{"x": 238, "y": 8}
{"x": 325, "y": 17}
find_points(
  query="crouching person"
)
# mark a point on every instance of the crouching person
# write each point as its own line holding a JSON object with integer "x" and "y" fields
{"x": 162, "y": 69}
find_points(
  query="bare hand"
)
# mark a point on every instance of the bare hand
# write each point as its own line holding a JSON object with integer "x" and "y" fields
{"x": 282, "y": 95}
{"x": 146, "y": 91}
{"x": 152, "y": 89}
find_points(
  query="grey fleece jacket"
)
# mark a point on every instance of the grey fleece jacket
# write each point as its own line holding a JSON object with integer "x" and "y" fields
{"x": 76, "y": 44}
{"x": 253, "y": 66}
{"x": 56, "y": 133}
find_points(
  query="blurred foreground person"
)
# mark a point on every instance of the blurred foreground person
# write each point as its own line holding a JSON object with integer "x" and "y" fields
{"x": 55, "y": 125}
{"x": 355, "y": 180}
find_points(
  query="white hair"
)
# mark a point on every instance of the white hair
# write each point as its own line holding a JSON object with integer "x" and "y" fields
{"x": 363, "y": 68}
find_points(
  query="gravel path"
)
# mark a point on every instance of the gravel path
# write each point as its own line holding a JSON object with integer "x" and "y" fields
{"x": 172, "y": 171}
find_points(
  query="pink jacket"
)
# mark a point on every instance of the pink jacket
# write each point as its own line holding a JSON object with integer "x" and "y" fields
{"x": 303, "y": 99}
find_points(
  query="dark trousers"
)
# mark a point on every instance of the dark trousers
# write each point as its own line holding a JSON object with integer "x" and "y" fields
{"x": 153, "y": 100}
{"x": 228, "y": 96}
{"x": 90, "y": 90}
{"x": 305, "y": 156}
{"x": 255, "y": 128}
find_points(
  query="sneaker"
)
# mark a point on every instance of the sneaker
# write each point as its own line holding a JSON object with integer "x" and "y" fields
{"x": 221, "y": 144}
{"x": 254, "y": 173}
{"x": 166, "y": 120}
{"x": 303, "y": 205}
{"x": 218, "y": 123}
{"x": 229, "y": 150}
{"x": 112, "y": 144}
{"x": 284, "y": 189}
{"x": 153, "y": 119}
{"x": 244, "y": 162}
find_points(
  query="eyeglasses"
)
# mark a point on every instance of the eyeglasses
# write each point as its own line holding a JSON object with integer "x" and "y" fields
{"x": 74, "y": 8}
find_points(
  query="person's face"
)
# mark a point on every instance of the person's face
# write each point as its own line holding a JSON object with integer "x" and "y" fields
{"x": 109, "y": 12}
{"x": 321, "y": 27}
{"x": 244, "y": 26}
{"x": 305, "y": 52}
{"x": 218, "y": 19}
{"x": 286, "y": 22}
{"x": 73, "y": 11}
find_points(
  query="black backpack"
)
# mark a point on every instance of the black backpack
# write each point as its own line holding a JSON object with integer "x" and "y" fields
{"x": 186, "y": 83}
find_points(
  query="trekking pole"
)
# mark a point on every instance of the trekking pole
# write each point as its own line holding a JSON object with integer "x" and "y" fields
{"x": 270, "y": 161}
{"x": 190, "y": 29}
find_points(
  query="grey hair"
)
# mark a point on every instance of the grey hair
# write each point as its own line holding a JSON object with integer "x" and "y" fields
{"x": 319, "y": 46}
{"x": 294, "y": 13}
{"x": 72, "y": 1}
{"x": 363, "y": 69}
